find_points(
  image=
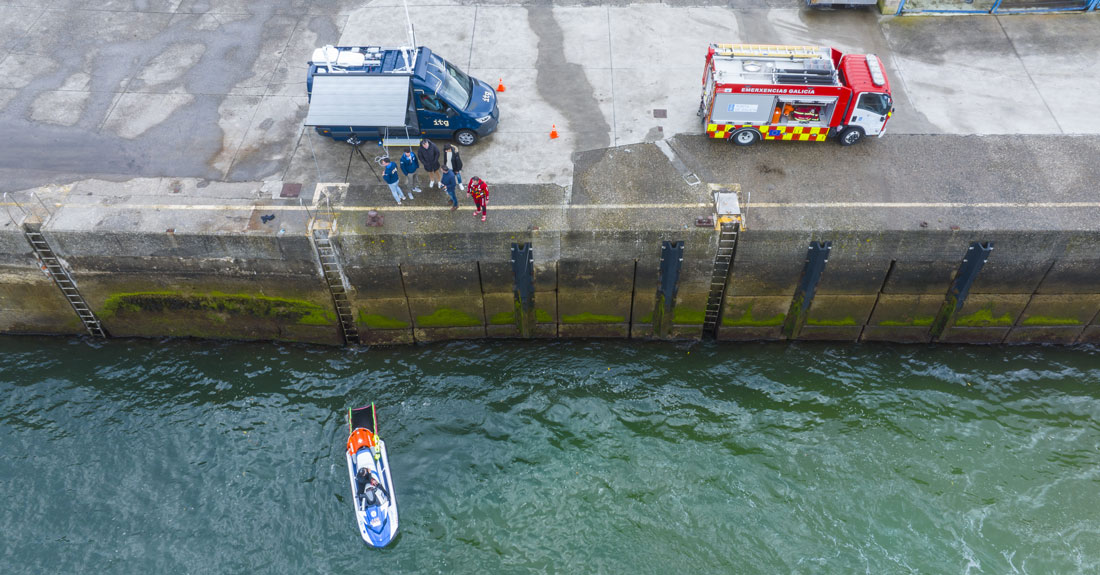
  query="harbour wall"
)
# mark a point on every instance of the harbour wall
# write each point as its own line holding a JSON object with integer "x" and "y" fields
{"x": 183, "y": 258}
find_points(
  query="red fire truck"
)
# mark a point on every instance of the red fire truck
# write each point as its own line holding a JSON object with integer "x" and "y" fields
{"x": 802, "y": 93}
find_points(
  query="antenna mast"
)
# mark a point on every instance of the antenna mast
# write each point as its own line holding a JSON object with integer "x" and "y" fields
{"x": 410, "y": 61}
{"x": 408, "y": 20}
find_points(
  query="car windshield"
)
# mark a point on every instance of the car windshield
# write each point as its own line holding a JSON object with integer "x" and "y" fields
{"x": 455, "y": 85}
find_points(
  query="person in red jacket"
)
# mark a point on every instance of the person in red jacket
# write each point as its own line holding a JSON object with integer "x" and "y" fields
{"x": 479, "y": 191}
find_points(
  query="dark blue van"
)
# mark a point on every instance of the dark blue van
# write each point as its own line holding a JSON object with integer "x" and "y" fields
{"x": 396, "y": 95}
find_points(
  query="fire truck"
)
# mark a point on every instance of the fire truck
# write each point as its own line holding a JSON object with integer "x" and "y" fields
{"x": 757, "y": 92}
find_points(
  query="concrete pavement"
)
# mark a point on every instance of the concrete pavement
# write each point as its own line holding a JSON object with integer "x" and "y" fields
{"x": 215, "y": 90}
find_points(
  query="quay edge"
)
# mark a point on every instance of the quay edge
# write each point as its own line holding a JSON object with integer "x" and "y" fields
{"x": 189, "y": 258}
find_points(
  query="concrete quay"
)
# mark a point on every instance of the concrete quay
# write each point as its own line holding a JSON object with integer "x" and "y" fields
{"x": 150, "y": 145}
{"x": 165, "y": 257}
{"x": 216, "y": 90}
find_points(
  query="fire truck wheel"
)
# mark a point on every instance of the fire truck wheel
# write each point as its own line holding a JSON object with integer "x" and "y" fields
{"x": 850, "y": 136}
{"x": 466, "y": 137}
{"x": 745, "y": 137}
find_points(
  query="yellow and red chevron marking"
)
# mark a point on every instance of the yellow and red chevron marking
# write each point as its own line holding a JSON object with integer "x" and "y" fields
{"x": 719, "y": 131}
{"x": 794, "y": 133}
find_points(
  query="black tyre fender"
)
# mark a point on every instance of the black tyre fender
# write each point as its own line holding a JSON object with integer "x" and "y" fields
{"x": 850, "y": 136}
{"x": 745, "y": 137}
{"x": 465, "y": 137}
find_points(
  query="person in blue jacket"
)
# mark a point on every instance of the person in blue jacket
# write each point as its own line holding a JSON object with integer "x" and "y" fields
{"x": 449, "y": 183}
{"x": 409, "y": 166}
{"x": 389, "y": 175}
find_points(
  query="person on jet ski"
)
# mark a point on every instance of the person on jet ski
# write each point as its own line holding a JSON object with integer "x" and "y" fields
{"x": 366, "y": 484}
{"x": 362, "y": 479}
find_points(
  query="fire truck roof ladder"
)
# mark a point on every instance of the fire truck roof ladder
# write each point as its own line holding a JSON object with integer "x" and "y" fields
{"x": 769, "y": 51}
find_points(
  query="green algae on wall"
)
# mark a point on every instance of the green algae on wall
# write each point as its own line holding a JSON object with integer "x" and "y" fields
{"x": 944, "y": 315}
{"x": 217, "y": 305}
{"x": 848, "y": 320}
{"x": 1044, "y": 320}
{"x": 659, "y": 319}
{"x": 984, "y": 318}
{"x": 503, "y": 318}
{"x": 747, "y": 320}
{"x": 918, "y": 321}
{"x": 795, "y": 317}
{"x": 447, "y": 317}
{"x": 592, "y": 318}
{"x": 688, "y": 316}
{"x": 378, "y": 321}
{"x": 508, "y": 317}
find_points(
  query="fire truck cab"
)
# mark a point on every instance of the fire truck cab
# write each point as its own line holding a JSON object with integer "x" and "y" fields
{"x": 757, "y": 92}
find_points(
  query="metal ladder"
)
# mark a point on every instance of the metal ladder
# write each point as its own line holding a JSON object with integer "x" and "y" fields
{"x": 769, "y": 51}
{"x": 64, "y": 281}
{"x": 337, "y": 284}
{"x": 723, "y": 259}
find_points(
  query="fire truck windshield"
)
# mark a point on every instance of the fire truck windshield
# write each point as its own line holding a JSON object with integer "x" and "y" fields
{"x": 455, "y": 86}
{"x": 876, "y": 103}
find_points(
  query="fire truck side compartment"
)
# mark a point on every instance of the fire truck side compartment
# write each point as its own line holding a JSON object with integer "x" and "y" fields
{"x": 742, "y": 108}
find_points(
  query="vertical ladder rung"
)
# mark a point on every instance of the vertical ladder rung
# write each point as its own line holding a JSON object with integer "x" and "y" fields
{"x": 333, "y": 274}
{"x": 65, "y": 283}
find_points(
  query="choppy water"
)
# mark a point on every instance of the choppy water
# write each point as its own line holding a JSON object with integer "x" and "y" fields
{"x": 563, "y": 457}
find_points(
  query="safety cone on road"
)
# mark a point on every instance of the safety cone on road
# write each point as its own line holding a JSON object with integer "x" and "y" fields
{"x": 554, "y": 132}
{"x": 500, "y": 85}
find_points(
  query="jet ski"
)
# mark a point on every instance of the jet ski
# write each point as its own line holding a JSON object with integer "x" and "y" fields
{"x": 371, "y": 485}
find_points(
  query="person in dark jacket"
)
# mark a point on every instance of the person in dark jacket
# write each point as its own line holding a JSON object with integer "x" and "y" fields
{"x": 409, "y": 166}
{"x": 449, "y": 184}
{"x": 429, "y": 156}
{"x": 367, "y": 488}
{"x": 389, "y": 175}
{"x": 452, "y": 160}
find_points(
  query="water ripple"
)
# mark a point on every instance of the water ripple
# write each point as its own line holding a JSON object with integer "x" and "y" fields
{"x": 545, "y": 457}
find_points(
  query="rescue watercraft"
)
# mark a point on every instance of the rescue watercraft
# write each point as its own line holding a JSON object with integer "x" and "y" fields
{"x": 372, "y": 489}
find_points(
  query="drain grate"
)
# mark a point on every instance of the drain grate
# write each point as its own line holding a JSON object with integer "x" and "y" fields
{"x": 290, "y": 191}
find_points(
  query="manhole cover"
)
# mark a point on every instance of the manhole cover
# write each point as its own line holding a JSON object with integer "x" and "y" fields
{"x": 660, "y": 113}
{"x": 290, "y": 190}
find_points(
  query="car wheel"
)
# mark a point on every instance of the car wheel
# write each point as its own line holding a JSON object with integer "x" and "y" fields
{"x": 850, "y": 136}
{"x": 745, "y": 137}
{"x": 466, "y": 137}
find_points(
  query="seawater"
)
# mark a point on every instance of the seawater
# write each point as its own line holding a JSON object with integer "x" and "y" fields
{"x": 551, "y": 457}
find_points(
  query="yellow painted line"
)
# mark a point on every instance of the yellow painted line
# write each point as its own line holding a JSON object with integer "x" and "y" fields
{"x": 925, "y": 205}
{"x": 389, "y": 208}
{"x": 415, "y": 207}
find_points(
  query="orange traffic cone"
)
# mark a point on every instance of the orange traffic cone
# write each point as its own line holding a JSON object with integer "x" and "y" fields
{"x": 554, "y": 132}
{"x": 500, "y": 85}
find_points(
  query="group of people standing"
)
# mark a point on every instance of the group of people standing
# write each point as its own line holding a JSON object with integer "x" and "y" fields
{"x": 444, "y": 169}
